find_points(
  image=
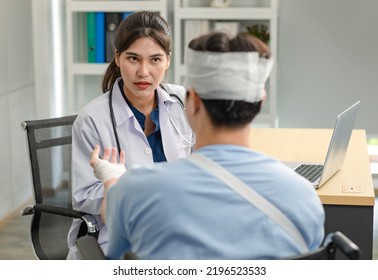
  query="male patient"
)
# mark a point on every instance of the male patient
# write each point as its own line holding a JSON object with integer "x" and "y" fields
{"x": 179, "y": 210}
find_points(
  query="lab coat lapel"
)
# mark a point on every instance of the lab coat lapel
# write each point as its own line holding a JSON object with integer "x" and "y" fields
{"x": 122, "y": 111}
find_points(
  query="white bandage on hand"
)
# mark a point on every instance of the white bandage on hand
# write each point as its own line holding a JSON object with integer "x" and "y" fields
{"x": 105, "y": 170}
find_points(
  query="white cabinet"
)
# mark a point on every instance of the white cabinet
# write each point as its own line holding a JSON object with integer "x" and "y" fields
{"x": 244, "y": 13}
{"x": 83, "y": 78}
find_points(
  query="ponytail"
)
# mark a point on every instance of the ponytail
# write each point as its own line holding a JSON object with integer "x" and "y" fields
{"x": 112, "y": 73}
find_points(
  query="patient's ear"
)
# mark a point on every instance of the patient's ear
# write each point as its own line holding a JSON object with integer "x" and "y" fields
{"x": 195, "y": 100}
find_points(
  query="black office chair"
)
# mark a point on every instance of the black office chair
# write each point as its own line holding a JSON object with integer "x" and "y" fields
{"x": 334, "y": 243}
{"x": 49, "y": 145}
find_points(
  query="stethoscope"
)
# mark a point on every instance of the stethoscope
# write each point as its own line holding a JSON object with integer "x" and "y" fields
{"x": 189, "y": 143}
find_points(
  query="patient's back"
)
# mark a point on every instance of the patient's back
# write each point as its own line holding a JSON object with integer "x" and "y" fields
{"x": 178, "y": 211}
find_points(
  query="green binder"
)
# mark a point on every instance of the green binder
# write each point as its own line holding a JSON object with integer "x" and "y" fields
{"x": 91, "y": 36}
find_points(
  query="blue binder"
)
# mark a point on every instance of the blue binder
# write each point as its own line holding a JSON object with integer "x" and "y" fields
{"x": 100, "y": 37}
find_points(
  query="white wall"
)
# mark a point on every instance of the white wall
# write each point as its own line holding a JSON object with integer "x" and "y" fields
{"x": 43, "y": 53}
{"x": 49, "y": 100}
{"x": 327, "y": 59}
{"x": 26, "y": 90}
{"x": 17, "y": 102}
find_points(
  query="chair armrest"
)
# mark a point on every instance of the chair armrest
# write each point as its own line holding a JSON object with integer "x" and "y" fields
{"x": 89, "y": 220}
{"x": 346, "y": 246}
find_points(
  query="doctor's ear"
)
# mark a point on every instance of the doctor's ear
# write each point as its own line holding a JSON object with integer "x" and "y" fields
{"x": 116, "y": 57}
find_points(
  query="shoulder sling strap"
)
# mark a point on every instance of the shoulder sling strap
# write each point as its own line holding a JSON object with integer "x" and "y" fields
{"x": 251, "y": 196}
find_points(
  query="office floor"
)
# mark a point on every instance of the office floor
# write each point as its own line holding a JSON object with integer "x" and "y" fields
{"x": 15, "y": 240}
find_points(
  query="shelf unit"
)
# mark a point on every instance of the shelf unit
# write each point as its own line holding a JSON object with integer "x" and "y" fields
{"x": 84, "y": 79}
{"x": 244, "y": 12}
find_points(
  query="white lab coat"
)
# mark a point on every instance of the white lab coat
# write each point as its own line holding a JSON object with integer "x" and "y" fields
{"x": 93, "y": 126}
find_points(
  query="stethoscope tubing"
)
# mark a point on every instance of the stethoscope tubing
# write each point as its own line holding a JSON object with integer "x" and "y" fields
{"x": 112, "y": 117}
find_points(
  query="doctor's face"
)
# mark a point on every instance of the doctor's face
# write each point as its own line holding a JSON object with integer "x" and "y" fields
{"x": 143, "y": 66}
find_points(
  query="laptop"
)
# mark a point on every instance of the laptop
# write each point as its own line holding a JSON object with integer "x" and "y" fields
{"x": 317, "y": 173}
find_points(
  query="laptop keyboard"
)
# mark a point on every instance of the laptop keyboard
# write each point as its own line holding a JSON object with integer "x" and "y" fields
{"x": 310, "y": 171}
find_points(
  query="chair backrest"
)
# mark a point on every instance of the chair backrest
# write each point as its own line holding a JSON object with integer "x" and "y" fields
{"x": 49, "y": 142}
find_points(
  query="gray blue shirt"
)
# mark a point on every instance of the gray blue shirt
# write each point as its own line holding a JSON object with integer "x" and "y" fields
{"x": 179, "y": 211}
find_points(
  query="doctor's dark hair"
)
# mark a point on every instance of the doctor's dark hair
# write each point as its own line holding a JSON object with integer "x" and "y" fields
{"x": 230, "y": 113}
{"x": 137, "y": 25}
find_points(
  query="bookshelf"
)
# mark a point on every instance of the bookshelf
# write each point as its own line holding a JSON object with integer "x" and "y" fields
{"x": 206, "y": 18}
{"x": 84, "y": 78}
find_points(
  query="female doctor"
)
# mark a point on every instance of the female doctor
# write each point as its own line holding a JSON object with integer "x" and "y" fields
{"x": 137, "y": 114}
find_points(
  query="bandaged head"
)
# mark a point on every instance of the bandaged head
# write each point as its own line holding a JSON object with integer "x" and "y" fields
{"x": 239, "y": 76}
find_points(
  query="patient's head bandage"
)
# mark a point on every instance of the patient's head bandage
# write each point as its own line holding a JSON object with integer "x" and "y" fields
{"x": 237, "y": 76}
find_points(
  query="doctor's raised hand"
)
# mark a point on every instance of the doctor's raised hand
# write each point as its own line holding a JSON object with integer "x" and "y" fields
{"x": 107, "y": 169}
